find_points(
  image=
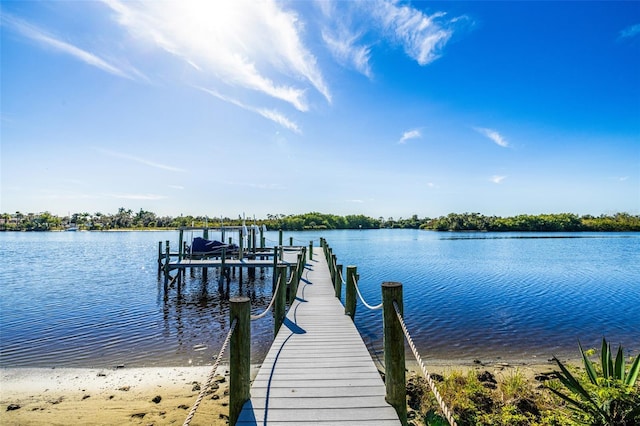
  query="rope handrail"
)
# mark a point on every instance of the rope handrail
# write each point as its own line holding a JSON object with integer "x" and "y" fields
{"x": 364, "y": 302}
{"x": 432, "y": 384}
{"x": 273, "y": 298}
{"x": 335, "y": 268}
{"x": 205, "y": 388}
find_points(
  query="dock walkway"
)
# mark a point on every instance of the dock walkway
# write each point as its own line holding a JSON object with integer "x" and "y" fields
{"x": 318, "y": 370}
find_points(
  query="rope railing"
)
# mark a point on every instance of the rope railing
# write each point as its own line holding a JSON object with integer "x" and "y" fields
{"x": 445, "y": 410}
{"x": 364, "y": 302}
{"x": 205, "y": 388}
{"x": 273, "y": 299}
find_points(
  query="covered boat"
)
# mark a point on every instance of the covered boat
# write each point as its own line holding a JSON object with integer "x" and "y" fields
{"x": 204, "y": 246}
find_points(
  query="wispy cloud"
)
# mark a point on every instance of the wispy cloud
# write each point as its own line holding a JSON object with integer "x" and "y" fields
{"x": 253, "y": 45}
{"x": 410, "y": 134}
{"x": 422, "y": 36}
{"x": 496, "y": 137}
{"x": 344, "y": 48}
{"x": 40, "y": 36}
{"x": 269, "y": 114}
{"x": 180, "y": 187}
{"x": 497, "y": 179}
{"x": 140, "y": 160}
{"x": 630, "y": 31}
{"x": 356, "y": 201}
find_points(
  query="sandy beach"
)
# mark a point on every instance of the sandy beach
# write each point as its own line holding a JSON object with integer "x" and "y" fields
{"x": 148, "y": 396}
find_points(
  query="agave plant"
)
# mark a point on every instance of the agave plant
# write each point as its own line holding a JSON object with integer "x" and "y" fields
{"x": 605, "y": 397}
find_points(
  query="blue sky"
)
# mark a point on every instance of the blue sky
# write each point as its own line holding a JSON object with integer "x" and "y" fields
{"x": 382, "y": 108}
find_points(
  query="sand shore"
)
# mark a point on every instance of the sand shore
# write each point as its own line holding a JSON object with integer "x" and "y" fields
{"x": 64, "y": 396}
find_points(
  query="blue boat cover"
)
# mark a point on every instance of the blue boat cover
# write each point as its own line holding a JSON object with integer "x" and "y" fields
{"x": 201, "y": 245}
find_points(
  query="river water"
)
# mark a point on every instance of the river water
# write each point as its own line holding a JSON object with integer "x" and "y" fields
{"x": 95, "y": 299}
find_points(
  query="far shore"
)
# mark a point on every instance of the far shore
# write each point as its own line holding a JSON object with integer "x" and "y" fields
{"x": 155, "y": 395}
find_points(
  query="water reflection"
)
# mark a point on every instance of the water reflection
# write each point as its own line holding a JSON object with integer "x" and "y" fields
{"x": 198, "y": 305}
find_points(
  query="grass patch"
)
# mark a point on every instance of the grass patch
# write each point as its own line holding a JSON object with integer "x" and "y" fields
{"x": 479, "y": 397}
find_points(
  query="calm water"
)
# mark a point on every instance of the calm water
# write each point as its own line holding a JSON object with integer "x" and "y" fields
{"x": 85, "y": 299}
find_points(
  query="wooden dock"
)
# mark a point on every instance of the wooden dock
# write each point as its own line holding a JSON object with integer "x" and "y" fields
{"x": 318, "y": 370}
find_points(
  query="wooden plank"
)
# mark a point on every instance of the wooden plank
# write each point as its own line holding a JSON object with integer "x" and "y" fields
{"x": 336, "y": 392}
{"x": 324, "y": 414}
{"x": 318, "y": 369}
{"x": 254, "y": 422}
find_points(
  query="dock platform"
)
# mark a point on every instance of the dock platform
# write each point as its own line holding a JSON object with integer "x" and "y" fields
{"x": 318, "y": 370}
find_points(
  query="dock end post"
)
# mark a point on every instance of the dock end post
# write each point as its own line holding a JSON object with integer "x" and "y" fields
{"x": 239, "y": 357}
{"x": 395, "y": 380}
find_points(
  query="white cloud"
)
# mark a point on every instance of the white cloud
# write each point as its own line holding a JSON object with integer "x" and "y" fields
{"x": 253, "y": 45}
{"x": 269, "y": 114}
{"x": 344, "y": 49}
{"x": 497, "y": 179}
{"x": 496, "y": 137}
{"x": 140, "y": 160}
{"x": 410, "y": 134}
{"x": 422, "y": 36}
{"x": 40, "y": 36}
{"x": 630, "y": 31}
{"x": 180, "y": 187}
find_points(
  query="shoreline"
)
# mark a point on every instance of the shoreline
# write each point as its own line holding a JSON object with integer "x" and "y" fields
{"x": 103, "y": 396}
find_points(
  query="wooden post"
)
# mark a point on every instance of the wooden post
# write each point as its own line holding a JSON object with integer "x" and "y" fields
{"x": 205, "y": 233}
{"x": 311, "y": 250}
{"x": 222, "y": 270}
{"x": 275, "y": 264}
{"x": 167, "y": 259}
{"x": 261, "y": 237}
{"x": 332, "y": 272}
{"x": 159, "y": 257}
{"x": 334, "y": 268}
{"x": 337, "y": 285}
{"x": 180, "y": 246}
{"x": 394, "y": 362}
{"x": 253, "y": 239}
{"x": 296, "y": 280}
{"x": 279, "y": 307}
{"x": 239, "y": 357}
{"x": 350, "y": 292}
{"x": 280, "y": 237}
{"x": 291, "y": 241}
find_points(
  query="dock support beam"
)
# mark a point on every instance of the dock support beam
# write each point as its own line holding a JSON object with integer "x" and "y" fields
{"x": 394, "y": 362}
{"x": 239, "y": 357}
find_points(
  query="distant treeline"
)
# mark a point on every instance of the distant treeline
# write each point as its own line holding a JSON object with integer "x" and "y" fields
{"x": 566, "y": 222}
{"x": 127, "y": 219}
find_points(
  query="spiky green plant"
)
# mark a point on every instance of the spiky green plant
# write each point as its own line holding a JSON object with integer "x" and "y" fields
{"x": 605, "y": 397}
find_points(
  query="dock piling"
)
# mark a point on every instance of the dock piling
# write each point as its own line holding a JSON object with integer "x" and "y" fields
{"x": 279, "y": 309}
{"x": 239, "y": 356}
{"x": 395, "y": 380}
{"x": 350, "y": 292}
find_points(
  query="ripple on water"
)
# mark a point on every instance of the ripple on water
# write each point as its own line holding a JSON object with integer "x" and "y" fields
{"x": 94, "y": 299}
